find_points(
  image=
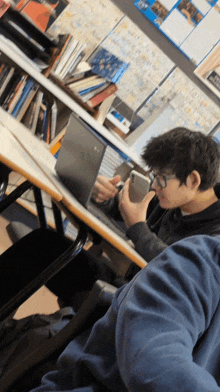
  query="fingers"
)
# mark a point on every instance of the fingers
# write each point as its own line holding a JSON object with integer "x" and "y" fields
{"x": 124, "y": 193}
{"x": 105, "y": 188}
{"x": 149, "y": 196}
{"x": 115, "y": 180}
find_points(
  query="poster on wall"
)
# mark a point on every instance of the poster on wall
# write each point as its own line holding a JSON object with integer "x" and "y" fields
{"x": 192, "y": 26}
{"x": 209, "y": 70}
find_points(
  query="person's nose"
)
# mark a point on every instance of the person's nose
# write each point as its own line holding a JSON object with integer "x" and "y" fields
{"x": 154, "y": 186}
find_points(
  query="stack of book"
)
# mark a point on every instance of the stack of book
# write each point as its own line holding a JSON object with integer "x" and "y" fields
{"x": 69, "y": 57}
{"x": 107, "y": 65}
{"x": 41, "y": 117}
{"x": 21, "y": 97}
{"x": 97, "y": 82}
{"x": 92, "y": 89}
{"x": 16, "y": 90}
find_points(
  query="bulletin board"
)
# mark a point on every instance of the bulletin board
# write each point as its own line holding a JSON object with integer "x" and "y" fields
{"x": 192, "y": 26}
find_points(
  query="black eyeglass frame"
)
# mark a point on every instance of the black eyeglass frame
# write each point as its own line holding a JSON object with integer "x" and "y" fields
{"x": 156, "y": 177}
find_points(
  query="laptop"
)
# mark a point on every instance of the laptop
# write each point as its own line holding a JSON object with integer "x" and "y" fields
{"x": 78, "y": 164}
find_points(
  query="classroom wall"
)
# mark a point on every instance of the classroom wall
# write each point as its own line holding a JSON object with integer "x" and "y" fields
{"x": 153, "y": 82}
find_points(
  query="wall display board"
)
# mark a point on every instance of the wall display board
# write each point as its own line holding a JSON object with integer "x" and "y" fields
{"x": 191, "y": 108}
{"x": 209, "y": 70}
{"x": 148, "y": 64}
{"x": 192, "y": 26}
{"x": 88, "y": 21}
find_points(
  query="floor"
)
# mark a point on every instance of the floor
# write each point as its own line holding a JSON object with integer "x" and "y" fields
{"x": 43, "y": 301}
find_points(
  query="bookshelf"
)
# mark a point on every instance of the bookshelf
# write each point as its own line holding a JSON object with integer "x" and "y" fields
{"x": 54, "y": 89}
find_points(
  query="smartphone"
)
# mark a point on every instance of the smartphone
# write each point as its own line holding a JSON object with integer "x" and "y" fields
{"x": 139, "y": 186}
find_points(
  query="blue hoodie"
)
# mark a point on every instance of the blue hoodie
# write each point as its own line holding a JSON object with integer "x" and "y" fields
{"x": 161, "y": 334}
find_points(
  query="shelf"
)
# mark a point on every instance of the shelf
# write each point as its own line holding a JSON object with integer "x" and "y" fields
{"x": 69, "y": 102}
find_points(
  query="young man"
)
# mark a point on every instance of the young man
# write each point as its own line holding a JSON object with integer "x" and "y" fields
{"x": 161, "y": 333}
{"x": 185, "y": 169}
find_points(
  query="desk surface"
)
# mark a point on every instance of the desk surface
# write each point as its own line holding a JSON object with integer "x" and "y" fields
{"x": 24, "y": 153}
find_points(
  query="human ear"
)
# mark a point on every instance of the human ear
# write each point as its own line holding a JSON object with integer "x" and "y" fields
{"x": 194, "y": 179}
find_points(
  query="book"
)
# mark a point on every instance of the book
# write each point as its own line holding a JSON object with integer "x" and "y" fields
{"x": 27, "y": 119}
{"x": 37, "y": 103}
{"x": 53, "y": 121}
{"x": 65, "y": 55}
{"x": 88, "y": 86}
{"x": 61, "y": 52}
{"x": 26, "y": 90}
{"x": 79, "y": 72}
{"x": 2, "y": 66}
{"x": 94, "y": 92}
{"x": 72, "y": 79}
{"x": 11, "y": 90}
{"x": 4, "y": 82}
{"x": 72, "y": 60}
{"x": 74, "y": 64}
{"x": 17, "y": 92}
{"x": 45, "y": 121}
{"x": 103, "y": 109}
{"x": 57, "y": 142}
{"x": 40, "y": 120}
{"x": 3, "y": 7}
{"x": 91, "y": 88}
{"x": 97, "y": 99}
{"x": 43, "y": 13}
{"x": 20, "y": 4}
{"x": 108, "y": 65}
{"x": 24, "y": 34}
{"x": 48, "y": 131}
{"x": 28, "y": 100}
{"x": 4, "y": 71}
{"x": 82, "y": 82}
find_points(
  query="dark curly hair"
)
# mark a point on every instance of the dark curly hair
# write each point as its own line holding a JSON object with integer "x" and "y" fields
{"x": 181, "y": 151}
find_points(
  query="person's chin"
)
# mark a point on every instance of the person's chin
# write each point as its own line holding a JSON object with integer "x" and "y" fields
{"x": 164, "y": 204}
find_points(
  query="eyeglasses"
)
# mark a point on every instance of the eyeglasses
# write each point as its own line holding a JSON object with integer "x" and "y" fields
{"x": 160, "y": 178}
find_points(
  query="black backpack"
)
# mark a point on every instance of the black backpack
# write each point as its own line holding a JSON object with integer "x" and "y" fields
{"x": 30, "y": 347}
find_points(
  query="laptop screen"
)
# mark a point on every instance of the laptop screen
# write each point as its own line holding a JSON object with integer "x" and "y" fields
{"x": 80, "y": 158}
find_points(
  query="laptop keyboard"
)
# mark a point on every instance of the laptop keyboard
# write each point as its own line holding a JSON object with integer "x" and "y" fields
{"x": 107, "y": 220}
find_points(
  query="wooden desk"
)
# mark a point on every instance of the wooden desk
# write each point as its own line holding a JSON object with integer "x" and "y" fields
{"x": 24, "y": 153}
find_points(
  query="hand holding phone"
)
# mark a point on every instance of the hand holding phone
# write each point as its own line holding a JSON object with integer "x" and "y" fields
{"x": 139, "y": 186}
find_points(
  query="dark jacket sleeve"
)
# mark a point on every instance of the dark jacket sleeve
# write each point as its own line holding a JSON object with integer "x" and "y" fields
{"x": 110, "y": 207}
{"x": 163, "y": 313}
{"x": 147, "y": 244}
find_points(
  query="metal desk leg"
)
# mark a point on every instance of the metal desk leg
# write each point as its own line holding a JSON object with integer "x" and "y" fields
{"x": 14, "y": 195}
{"x": 47, "y": 274}
{"x": 40, "y": 207}
{"x": 58, "y": 219}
